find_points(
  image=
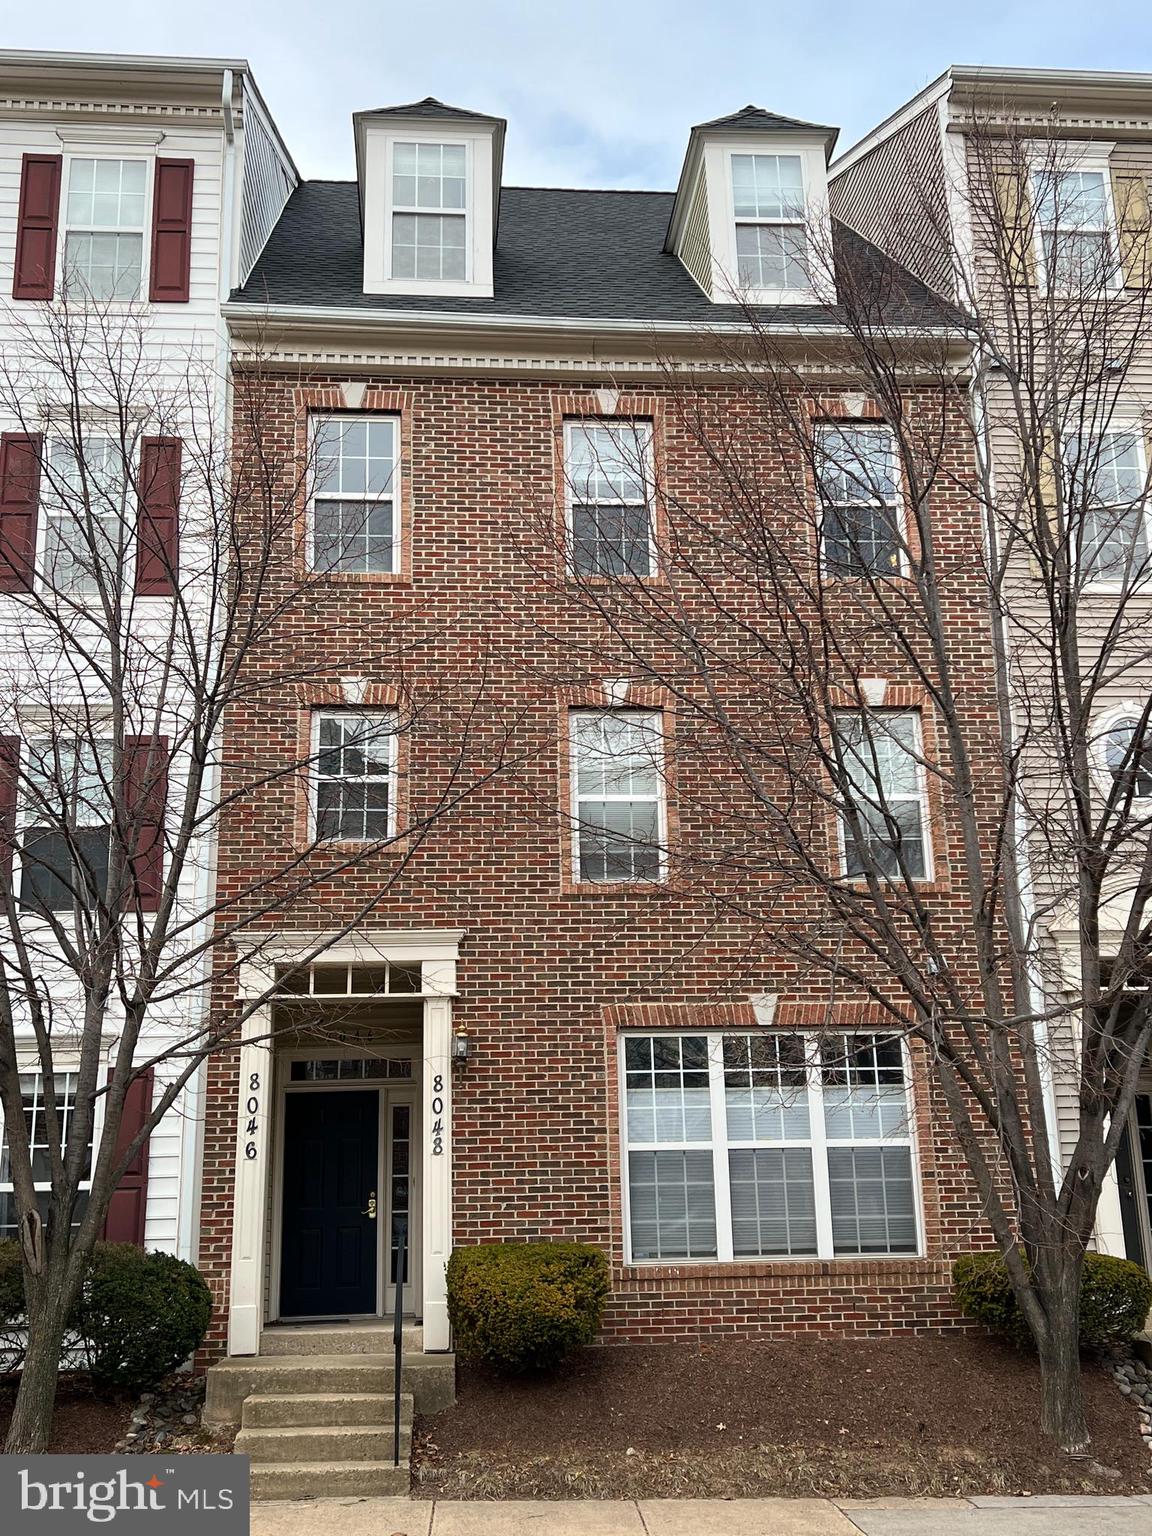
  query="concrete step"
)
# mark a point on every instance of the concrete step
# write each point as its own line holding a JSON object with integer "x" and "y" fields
{"x": 339, "y": 1339}
{"x": 333, "y": 1443}
{"x": 281, "y": 1410}
{"x": 323, "y": 1480}
{"x": 431, "y": 1379}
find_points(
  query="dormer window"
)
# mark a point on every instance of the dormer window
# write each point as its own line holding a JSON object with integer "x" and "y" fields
{"x": 771, "y": 239}
{"x": 429, "y": 211}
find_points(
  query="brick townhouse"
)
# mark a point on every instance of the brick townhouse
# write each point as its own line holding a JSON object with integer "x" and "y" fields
{"x": 522, "y": 1039}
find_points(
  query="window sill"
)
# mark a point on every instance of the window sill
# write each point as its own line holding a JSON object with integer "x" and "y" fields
{"x": 368, "y": 578}
{"x": 614, "y": 887}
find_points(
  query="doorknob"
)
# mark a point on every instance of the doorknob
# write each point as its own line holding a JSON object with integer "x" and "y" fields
{"x": 371, "y": 1211}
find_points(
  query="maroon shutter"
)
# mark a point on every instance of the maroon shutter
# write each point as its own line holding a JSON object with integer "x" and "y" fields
{"x": 171, "y": 232}
{"x": 19, "y": 494}
{"x": 128, "y": 1207}
{"x": 34, "y": 273}
{"x": 158, "y": 522}
{"x": 9, "y": 780}
{"x": 145, "y": 792}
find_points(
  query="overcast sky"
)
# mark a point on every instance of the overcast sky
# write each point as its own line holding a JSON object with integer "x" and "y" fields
{"x": 597, "y": 93}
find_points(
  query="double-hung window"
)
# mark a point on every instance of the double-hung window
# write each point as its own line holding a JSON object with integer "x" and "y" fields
{"x": 760, "y": 1146}
{"x": 429, "y": 212}
{"x": 355, "y": 494}
{"x": 883, "y": 784}
{"x": 608, "y": 472}
{"x": 32, "y": 1096}
{"x": 1106, "y": 476}
{"x": 860, "y": 501}
{"x": 67, "y": 824}
{"x": 771, "y": 237}
{"x": 1074, "y": 218}
{"x": 83, "y": 501}
{"x": 355, "y": 756}
{"x": 618, "y": 806}
{"x": 104, "y": 228}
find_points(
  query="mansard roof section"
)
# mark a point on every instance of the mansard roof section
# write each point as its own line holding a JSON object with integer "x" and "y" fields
{"x": 753, "y": 119}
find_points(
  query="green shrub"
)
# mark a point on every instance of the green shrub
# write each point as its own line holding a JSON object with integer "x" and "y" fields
{"x": 1115, "y": 1298}
{"x": 140, "y": 1315}
{"x": 11, "y": 1305}
{"x": 524, "y": 1306}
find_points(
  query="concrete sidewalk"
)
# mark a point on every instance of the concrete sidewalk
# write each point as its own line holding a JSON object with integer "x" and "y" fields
{"x": 1053, "y": 1515}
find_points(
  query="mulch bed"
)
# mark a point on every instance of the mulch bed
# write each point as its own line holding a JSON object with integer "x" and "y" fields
{"x": 934, "y": 1415}
{"x": 84, "y": 1422}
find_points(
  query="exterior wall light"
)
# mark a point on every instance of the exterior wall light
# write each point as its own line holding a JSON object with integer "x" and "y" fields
{"x": 461, "y": 1047}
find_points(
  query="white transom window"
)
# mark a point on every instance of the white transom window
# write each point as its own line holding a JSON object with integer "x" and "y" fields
{"x": 768, "y": 201}
{"x": 766, "y": 1145}
{"x": 355, "y": 756}
{"x": 429, "y": 217}
{"x": 104, "y": 214}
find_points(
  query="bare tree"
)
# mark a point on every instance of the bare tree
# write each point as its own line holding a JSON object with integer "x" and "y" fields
{"x": 899, "y": 574}
{"x": 127, "y": 642}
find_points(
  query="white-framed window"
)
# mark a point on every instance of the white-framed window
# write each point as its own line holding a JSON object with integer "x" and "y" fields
{"x": 882, "y": 755}
{"x": 429, "y": 211}
{"x": 105, "y": 211}
{"x": 609, "y": 483}
{"x": 66, "y": 818}
{"x": 1126, "y": 754}
{"x": 767, "y": 1146}
{"x": 32, "y": 1096}
{"x": 83, "y": 505}
{"x": 618, "y": 802}
{"x": 1107, "y": 476}
{"x": 355, "y": 757}
{"x": 770, "y": 209}
{"x": 860, "y": 499}
{"x": 1076, "y": 226}
{"x": 355, "y": 494}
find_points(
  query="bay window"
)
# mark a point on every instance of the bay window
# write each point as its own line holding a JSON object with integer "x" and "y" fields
{"x": 767, "y": 1145}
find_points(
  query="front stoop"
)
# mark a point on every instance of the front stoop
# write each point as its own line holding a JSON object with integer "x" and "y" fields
{"x": 321, "y": 1425}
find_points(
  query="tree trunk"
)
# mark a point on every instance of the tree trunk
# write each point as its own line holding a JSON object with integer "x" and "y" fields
{"x": 1061, "y": 1387}
{"x": 31, "y": 1426}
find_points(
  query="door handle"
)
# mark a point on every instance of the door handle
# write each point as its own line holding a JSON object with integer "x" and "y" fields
{"x": 371, "y": 1211}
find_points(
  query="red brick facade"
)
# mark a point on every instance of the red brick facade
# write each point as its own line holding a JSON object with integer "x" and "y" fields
{"x": 551, "y": 970}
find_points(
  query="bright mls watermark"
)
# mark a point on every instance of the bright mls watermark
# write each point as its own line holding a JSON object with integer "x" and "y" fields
{"x": 66, "y": 1494}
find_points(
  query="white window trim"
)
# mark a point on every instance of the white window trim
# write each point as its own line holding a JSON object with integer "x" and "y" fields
{"x": 1074, "y": 156}
{"x": 315, "y": 776}
{"x": 70, "y": 1065}
{"x": 719, "y": 1147}
{"x": 921, "y": 795}
{"x": 661, "y": 800}
{"x": 726, "y": 286}
{"x": 642, "y": 426}
{"x": 898, "y": 506}
{"x": 316, "y": 419}
{"x": 111, "y": 150}
{"x": 379, "y": 142}
{"x": 1127, "y": 424}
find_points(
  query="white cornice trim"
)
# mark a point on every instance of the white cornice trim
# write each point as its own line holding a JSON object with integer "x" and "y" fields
{"x": 107, "y": 133}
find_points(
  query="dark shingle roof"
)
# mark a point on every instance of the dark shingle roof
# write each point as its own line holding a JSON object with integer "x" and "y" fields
{"x": 429, "y": 107}
{"x": 757, "y": 117}
{"x": 560, "y": 253}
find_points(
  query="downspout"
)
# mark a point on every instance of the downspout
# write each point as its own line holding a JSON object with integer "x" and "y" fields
{"x": 1021, "y": 854}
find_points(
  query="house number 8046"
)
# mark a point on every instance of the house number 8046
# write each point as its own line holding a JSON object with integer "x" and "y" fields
{"x": 252, "y": 1109}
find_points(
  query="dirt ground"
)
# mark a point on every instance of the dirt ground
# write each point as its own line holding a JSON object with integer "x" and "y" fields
{"x": 956, "y": 1414}
{"x": 83, "y": 1422}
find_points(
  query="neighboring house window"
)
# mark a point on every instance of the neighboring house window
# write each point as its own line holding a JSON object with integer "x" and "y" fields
{"x": 354, "y": 500}
{"x": 104, "y": 228}
{"x": 1128, "y": 759}
{"x": 1075, "y": 223}
{"x": 32, "y": 1095}
{"x": 856, "y": 469}
{"x": 617, "y": 795}
{"x": 756, "y": 1146}
{"x": 429, "y": 222}
{"x": 1107, "y": 480}
{"x": 67, "y": 824}
{"x": 355, "y": 769}
{"x": 771, "y": 240}
{"x": 881, "y": 753}
{"x": 608, "y": 471}
{"x": 83, "y": 503}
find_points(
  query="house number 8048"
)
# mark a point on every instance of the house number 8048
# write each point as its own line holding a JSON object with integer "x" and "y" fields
{"x": 437, "y": 1116}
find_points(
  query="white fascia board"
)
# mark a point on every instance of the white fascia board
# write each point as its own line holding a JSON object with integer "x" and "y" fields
{"x": 892, "y": 124}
